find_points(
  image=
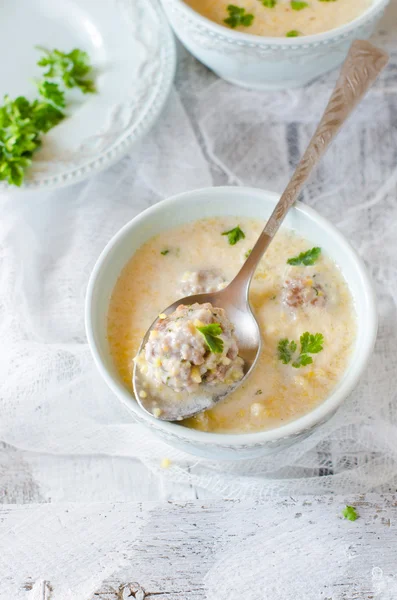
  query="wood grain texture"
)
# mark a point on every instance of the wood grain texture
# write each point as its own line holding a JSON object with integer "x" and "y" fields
{"x": 296, "y": 548}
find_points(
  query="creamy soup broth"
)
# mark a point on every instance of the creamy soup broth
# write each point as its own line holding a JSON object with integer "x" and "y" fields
{"x": 287, "y": 301}
{"x": 278, "y": 20}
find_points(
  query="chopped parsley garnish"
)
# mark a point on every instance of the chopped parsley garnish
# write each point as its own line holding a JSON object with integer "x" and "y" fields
{"x": 327, "y": 0}
{"x": 234, "y": 235}
{"x": 269, "y": 3}
{"x": 307, "y": 258}
{"x": 52, "y": 93}
{"x": 248, "y": 253}
{"x": 238, "y": 16}
{"x": 297, "y": 5}
{"x": 211, "y": 333}
{"x": 350, "y": 513}
{"x": 22, "y": 122}
{"x": 258, "y": 392}
{"x": 71, "y": 68}
{"x": 310, "y": 344}
{"x": 285, "y": 350}
{"x": 164, "y": 252}
{"x": 292, "y": 33}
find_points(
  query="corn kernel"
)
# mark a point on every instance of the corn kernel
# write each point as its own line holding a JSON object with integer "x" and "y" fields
{"x": 257, "y": 409}
{"x": 165, "y": 463}
{"x": 156, "y": 412}
{"x": 162, "y": 316}
{"x": 196, "y": 374}
{"x": 143, "y": 394}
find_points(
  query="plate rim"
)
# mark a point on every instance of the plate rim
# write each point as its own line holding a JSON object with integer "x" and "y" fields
{"x": 108, "y": 157}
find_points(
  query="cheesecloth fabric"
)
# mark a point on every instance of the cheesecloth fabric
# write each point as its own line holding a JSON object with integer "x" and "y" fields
{"x": 52, "y": 399}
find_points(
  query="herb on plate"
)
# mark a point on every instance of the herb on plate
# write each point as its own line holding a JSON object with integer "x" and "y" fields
{"x": 234, "y": 235}
{"x": 292, "y": 33}
{"x": 238, "y": 16}
{"x": 52, "y": 93}
{"x": 248, "y": 253}
{"x": 22, "y": 122}
{"x": 211, "y": 335}
{"x": 309, "y": 344}
{"x": 164, "y": 252}
{"x": 72, "y": 68}
{"x": 297, "y": 5}
{"x": 307, "y": 258}
{"x": 269, "y": 3}
{"x": 350, "y": 513}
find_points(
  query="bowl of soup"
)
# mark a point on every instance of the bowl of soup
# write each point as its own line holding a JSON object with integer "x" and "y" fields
{"x": 272, "y": 44}
{"x": 311, "y": 296}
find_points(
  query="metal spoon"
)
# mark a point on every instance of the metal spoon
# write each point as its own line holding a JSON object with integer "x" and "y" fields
{"x": 363, "y": 64}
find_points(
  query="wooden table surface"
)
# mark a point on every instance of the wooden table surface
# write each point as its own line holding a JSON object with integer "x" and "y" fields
{"x": 286, "y": 549}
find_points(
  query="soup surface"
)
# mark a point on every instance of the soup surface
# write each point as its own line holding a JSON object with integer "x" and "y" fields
{"x": 294, "y": 373}
{"x": 279, "y": 18}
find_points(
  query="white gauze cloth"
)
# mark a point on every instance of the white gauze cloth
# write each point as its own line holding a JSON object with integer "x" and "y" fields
{"x": 52, "y": 399}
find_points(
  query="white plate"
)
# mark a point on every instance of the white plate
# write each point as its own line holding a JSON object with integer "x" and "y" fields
{"x": 132, "y": 50}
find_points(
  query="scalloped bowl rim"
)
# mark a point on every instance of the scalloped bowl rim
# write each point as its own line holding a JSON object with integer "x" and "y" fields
{"x": 313, "y": 418}
{"x": 303, "y": 41}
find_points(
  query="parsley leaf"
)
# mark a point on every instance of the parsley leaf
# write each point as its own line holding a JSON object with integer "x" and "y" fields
{"x": 307, "y": 258}
{"x": 52, "y": 93}
{"x": 234, "y": 235}
{"x": 46, "y": 116}
{"x": 269, "y": 3}
{"x": 72, "y": 68}
{"x": 310, "y": 344}
{"x": 238, "y": 16}
{"x": 211, "y": 333}
{"x": 247, "y": 253}
{"x": 292, "y": 33}
{"x": 285, "y": 350}
{"x": 350, "y": 513}
{"x": 164, "y": 252}
{"x": 297, "y": 5}
{"x": 21, "y": 123}
{"x": 302, "y": 361}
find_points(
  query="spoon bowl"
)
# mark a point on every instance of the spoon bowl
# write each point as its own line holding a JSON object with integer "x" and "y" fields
{"x": 234, "y": 300}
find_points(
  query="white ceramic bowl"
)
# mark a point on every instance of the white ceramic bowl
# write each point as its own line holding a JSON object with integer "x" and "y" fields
{"x": 241, "y": 202}
{"x": 267, "y": 63}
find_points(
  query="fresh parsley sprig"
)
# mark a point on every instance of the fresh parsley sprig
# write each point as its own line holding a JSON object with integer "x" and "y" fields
{"x": 350, "y": 513}
{"x": 307, "y": 258}
{"x": 269, "y": 3}
{"x": 234, "y": 235}
{"x": 22, "y": 122}
{"x": 21, "y": 125}
{"x": 309, "y": 344}
{"x": 238, "y": 16}
{"x": 292, "y": 33}
{"x": 72, "y": 68}
{"x": 211, "y": 335}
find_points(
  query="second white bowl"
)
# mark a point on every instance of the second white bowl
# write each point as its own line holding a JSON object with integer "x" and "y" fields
{"x": 265, "y": 63}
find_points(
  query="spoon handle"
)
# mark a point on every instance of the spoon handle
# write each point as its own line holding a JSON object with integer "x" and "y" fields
{"x": 363, "y": 64}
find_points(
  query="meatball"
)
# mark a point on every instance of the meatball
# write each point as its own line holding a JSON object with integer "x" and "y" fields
{"x": 304, "y": 292}
{"x": 179, "y": 355}
{"x": 202, "y": 282}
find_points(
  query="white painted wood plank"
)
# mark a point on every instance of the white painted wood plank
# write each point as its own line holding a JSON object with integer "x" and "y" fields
{"x": 27, "y": 477}
{"x": 291, "y": 549}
